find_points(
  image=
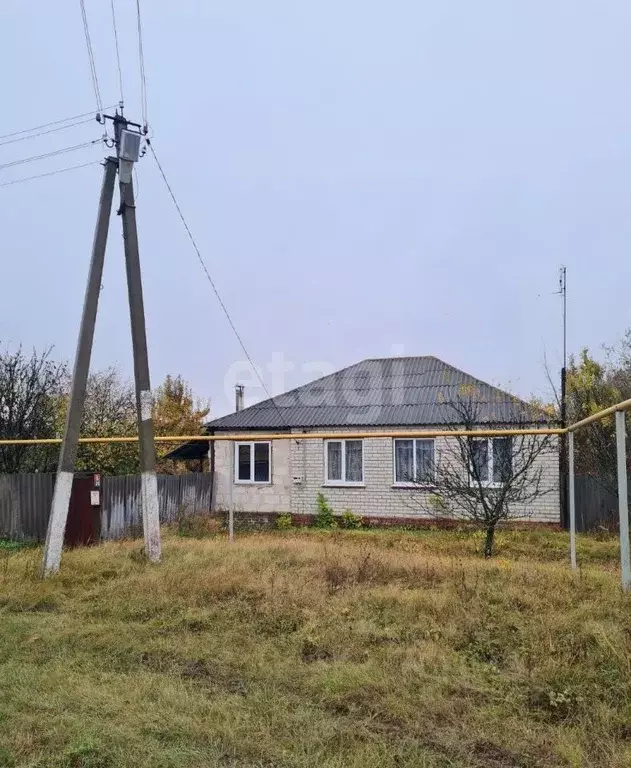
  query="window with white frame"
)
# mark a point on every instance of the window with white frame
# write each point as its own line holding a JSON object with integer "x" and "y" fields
{"x": 344, "y": 462}
{"x": 414, "y": 461}
{"x": 492, "y": 460}
{"x": 252, "y": 462}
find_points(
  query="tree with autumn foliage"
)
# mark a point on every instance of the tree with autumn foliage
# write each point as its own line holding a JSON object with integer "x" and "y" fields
{"x": 591, "y": 387}
{"x": 176, "y": 411}
{"x": 110, "y": 411}
{"x": 34, "y": 395}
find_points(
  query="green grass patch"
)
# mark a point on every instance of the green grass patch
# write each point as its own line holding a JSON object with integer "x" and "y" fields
{"x": 9, "y": 545}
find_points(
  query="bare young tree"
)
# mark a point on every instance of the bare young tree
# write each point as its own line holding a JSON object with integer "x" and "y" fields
{"x": 485, "y": 481}
{"x": 31, "y": 387}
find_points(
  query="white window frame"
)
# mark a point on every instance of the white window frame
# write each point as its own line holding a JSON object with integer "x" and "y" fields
{"x": 343, "y": 483}
{"x": 490, "y": 483}
{"x": 408, "y": 483}
{"x": 251, "y": 444}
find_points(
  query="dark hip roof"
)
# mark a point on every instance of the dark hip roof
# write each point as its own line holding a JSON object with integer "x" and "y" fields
{"x": 387, "y": 392}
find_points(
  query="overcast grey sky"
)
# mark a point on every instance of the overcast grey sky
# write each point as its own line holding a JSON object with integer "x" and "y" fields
{"x": 359, "y": 174}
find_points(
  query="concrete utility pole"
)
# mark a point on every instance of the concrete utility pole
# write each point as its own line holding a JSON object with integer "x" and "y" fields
{"x": 68, "y": 453}
{"x": 144, "y": 399}
{"x": 127, "y": 143}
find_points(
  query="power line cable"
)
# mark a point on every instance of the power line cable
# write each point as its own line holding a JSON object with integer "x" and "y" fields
{"x": 46, "y": 125}
{"x": 118, "y": 57}
{"x": 88, "y": 42}
{"x": 141, "y": 58}
{"x": 50, "y": 154}
{"x": 50, "y": 130}
{"x": 214, "y": 287}
{"x": 50, "y": 173}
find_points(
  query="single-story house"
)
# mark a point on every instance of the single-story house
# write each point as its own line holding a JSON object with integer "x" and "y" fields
{"x": 369, "y": 476}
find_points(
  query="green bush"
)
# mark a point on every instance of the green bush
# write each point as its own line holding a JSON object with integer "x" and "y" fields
{"x": 284, "y": 521}
{"x": 350, "y": 520}
{"x": 324, "y": 516}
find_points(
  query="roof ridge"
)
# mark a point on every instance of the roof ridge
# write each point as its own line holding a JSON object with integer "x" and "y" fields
{"x": 402, "y": 357}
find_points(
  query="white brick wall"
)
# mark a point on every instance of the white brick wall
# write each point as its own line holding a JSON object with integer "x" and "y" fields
{"x": 303, "y": 459}
{"x": 269, "y": 497}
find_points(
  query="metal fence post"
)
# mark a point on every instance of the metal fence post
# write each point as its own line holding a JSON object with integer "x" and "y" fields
{"x": 572, "y": 500}
{"x": 623, "y": 501}
{"x": 231, "y": 446}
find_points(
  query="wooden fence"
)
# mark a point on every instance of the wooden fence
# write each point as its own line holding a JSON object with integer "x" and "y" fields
{"x": 25, "y": 503}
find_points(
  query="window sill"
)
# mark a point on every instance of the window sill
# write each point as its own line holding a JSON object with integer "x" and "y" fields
{"x": 418, "y": 486}
{"x": 252, "y": 482}
{"x": 334, "y": 484}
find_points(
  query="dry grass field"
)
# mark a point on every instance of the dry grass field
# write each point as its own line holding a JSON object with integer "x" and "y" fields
{"x": 319, "y": 650}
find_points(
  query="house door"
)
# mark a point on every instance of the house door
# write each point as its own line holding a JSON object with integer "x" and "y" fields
{"x": 84, "y": 513}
